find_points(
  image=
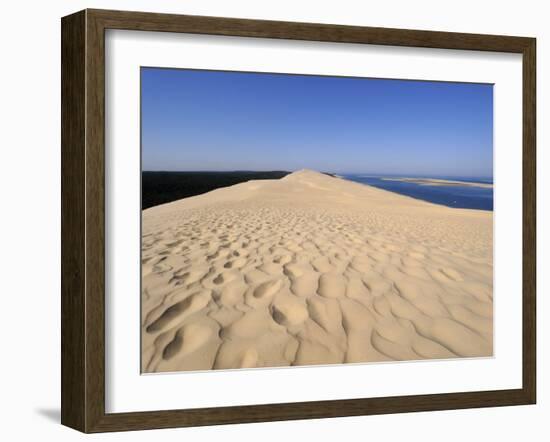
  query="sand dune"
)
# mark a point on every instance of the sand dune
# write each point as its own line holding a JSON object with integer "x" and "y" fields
{"x": 311, "y": 269}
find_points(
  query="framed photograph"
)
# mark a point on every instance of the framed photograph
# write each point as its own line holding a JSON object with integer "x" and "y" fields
{"x": 270, "y": 220}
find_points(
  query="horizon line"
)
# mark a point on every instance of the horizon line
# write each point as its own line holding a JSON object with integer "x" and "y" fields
{"x": 373, "y": 174}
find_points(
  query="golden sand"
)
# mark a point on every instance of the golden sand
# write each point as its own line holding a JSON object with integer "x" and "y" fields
{"x": 311, "y": 269}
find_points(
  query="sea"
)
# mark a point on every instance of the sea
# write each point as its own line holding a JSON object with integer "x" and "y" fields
{"x": 466, "y": 197}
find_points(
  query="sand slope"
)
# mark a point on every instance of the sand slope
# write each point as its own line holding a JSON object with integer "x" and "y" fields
{"x": 311, "y": 269}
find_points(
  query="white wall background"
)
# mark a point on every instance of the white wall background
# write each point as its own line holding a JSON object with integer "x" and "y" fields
{"x": 30, "y": 216}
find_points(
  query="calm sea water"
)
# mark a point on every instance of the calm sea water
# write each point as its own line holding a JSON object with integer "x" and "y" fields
{"x": 466, "y": 197}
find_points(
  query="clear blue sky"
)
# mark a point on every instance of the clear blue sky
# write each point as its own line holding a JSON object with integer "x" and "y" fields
{"x": 209, "y": 120}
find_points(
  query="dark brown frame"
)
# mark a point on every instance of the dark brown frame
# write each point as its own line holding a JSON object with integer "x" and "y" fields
{"x": 83, "y": 216}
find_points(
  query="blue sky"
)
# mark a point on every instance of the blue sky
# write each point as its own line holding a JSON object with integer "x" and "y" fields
{"x": 212, "y": 120}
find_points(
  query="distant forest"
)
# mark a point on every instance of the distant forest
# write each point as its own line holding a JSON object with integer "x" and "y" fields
{"x": 164, "y": 187}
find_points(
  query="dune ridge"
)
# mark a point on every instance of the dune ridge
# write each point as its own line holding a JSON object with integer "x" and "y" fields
{"x": 312, "y": 269}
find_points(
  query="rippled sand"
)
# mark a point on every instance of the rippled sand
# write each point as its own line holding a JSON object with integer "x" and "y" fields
{"x": 311, "y": 269}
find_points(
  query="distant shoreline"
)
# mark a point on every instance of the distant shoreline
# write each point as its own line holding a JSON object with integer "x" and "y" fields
{"x": 440, "y": 182}
{"x": 452, "y": 192}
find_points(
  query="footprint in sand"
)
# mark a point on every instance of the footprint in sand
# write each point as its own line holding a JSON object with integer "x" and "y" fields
{"x": 305, "y": 285}
{"x": 177, "y": 312}
{"x": 186, "y": 340}
{"x": 189, "y": 277}
{"x": 289, "y": 312}
{"x": 322, "y": 265}
{"x": 267, "y": 289}
{"x": 218, "y": 279}
{"x": 255, "y": 276}
{"x": 271, "y": 268}
{"x": 332, "y": 285}
{"x": 223, "y": 278}
{"x": 285, "y": 259}
{"x": 235, "y": 264}
{"x": 231, "y": 294}
{"x": 293, "y": 271}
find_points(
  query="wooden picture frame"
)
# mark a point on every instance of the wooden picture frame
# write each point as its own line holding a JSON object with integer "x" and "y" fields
{"x": 83, "y": 220}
